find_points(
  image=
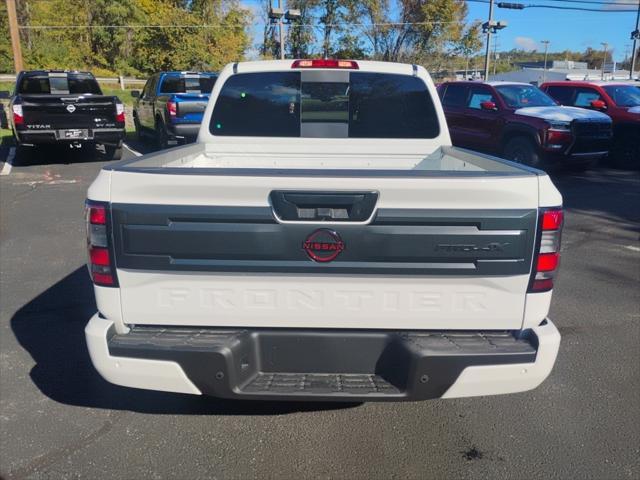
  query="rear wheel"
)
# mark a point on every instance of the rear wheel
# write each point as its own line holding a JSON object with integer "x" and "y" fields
{"x": 522, "y": 150}
{"x": 138, "y": 128}
{"x": 24, "y": 154}
{"x": 113, "y": 152}
{"x": 162, "y": 139}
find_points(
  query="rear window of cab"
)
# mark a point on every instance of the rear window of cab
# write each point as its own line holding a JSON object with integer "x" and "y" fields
{"x": 324, "y": 104}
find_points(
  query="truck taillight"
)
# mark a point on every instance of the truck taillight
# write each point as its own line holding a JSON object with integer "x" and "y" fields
{"x": 120, "y": 113}
{"x": 101, "y": 267}
{"x": 18, "y": 115}
{"x": 172, "y": 108}
{"x": 325, "y": 63}
{"x": 548, "y": 255}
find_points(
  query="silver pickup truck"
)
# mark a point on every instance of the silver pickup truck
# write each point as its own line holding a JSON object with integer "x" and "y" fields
{"x": 322, "y": 240}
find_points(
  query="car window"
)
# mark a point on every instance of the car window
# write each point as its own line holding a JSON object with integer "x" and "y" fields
{"x": 187, "y": 84}
{"x": 479, "y": 95}
{"x": 455, "y": 95}
{"x": 624, "y": 95}
{"x": 258, "y": 105}
{"x": 390, "y": 106}
{"x": 521, "y": 96}
{"x": 153, "y": 81}
{"x": 360, "y": 105}
{"x": 584, "y": 97}
{"x": 59, "y": 83}
{"x": 145, "y": 90}
{"x": 562, "y": 95}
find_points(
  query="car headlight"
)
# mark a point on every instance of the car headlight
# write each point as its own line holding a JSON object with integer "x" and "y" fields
{"x": 560, "y": 126}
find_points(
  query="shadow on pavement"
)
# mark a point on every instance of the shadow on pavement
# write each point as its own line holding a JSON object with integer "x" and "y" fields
{"x": 57, "y": 155}
{"x": 612, "y": 195}
{"x": 51, "y": 328}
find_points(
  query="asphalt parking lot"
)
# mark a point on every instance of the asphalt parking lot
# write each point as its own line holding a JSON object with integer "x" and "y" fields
{"x": 59, "y": 419}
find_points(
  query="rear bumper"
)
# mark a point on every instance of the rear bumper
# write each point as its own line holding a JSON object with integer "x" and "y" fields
{"x": 187, "y": 131}
{"x": 284, "y": 364}
{"x": 107, "y": 136}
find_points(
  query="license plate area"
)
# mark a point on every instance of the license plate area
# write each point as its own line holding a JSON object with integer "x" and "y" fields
{"x": 73, "y": 134}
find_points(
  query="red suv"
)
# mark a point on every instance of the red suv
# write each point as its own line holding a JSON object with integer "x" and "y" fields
{"x": 520, "y": 122}
{"x": 621, "y": 101}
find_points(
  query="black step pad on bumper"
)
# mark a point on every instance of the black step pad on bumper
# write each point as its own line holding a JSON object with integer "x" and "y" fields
{"x": 352, "y": 365}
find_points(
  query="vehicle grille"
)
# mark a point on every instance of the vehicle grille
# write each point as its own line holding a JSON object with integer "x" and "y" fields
{"x": 591, "y": 137}
{"x": 592, "y": 129}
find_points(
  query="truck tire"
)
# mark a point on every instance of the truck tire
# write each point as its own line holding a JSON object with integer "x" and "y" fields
{"x": 522, "y": 150}
{"x": 138, "y": 128}
{"x": 113, "y": 152}
{"x": 162, "y": 139}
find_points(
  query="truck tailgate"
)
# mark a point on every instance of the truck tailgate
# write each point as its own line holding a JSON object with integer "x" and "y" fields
{"x": 69, "y": 111}
{"x": 209, "y": 250}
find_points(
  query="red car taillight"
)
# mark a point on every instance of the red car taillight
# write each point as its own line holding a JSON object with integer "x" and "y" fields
{"x": 101, "y": 266}
{"x": 120, "y": 118}
{"x": 18, "y": 115}
{"x": 172, "y": 108}
{"x": 548, "y": 256}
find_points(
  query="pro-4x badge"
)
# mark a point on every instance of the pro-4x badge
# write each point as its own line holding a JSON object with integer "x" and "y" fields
{"x": 323, "y": 245}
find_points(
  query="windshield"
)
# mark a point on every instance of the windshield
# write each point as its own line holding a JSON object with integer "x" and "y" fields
{"x": 58, "y": 83}
{"x": 326, "y": 105}
{"x": 187, "y": 84}
{"x": 624, "y": 95}
{"x": 520, "y": 96}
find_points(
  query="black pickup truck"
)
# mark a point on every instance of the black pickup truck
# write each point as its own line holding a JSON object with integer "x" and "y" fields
{"x": 64, "y": 107}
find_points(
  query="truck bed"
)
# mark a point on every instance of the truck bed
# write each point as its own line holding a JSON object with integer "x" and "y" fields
{"x": 209, "y": 159}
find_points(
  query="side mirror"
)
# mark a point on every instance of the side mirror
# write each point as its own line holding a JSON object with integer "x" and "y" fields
{"x": 598, "y": 104}
{"x": 490, "y": 106}
{"x": 135, "y": 93}
{"x": 4, "y": 94}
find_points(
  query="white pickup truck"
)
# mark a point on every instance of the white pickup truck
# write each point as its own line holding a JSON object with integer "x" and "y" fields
{"x": 322, "y": 240}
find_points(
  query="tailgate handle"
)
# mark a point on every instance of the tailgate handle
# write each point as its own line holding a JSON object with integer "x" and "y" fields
{"x": 323, "y": 206}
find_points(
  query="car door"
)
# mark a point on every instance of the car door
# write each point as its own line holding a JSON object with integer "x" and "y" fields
{"x": 145, "y": 111}
{"x": 481, "y": 127}
{"x": 453, "y": 100}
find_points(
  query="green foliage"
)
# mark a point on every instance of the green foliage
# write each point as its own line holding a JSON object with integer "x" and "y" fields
{"x": 219, "y": 35}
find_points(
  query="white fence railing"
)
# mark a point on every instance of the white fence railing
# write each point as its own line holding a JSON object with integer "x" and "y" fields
{"x": 122, "y": 81}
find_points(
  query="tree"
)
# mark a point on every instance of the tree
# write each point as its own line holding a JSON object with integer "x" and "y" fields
{"x": 409, "y": 30}
{"x": 301, "y": 36}
{"x": 203, "y": 34}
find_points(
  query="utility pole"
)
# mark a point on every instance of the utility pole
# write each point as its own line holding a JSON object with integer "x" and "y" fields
{"x": 281, "y": 32}
{"x": 495, "y": 54}
{"x": 15, "y": 35}
{"x": 486, "y": 56}
{"x": 604, "y": 58}
{"x": 635, "y": 36}
{"x": 546, "y": 48}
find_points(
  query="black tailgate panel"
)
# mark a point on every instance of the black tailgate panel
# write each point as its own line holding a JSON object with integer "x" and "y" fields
{"x": 54, "y": 111}
{"x": 396, "y": 242}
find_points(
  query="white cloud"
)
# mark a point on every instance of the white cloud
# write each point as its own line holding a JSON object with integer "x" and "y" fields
{"x": 526, "y": 43}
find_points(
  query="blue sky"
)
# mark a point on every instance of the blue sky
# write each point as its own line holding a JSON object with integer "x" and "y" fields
{"x": 565, "y": 29}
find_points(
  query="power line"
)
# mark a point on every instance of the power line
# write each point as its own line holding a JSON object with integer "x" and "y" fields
{"x": 581, "y": 9}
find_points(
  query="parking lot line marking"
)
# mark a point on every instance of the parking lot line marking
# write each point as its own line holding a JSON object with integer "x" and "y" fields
{"x": 136, "y": 153}
{"x": 6, "y": 170}
{"x": 632, "y": 248}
